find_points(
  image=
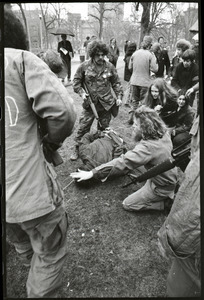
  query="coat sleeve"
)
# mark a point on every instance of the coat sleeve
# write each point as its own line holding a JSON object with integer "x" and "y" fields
{"x": 153, "y": 63}
{"x": 131, "y": 160}
{"x": 180, "y": 233}
{"x": 49, "y": 98}
{"x": 115, "y": 82}
{"x": 78, "y": 80}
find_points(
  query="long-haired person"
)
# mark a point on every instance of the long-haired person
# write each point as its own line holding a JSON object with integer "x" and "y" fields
{"x": 162, "y": 97}
{"x": 152, "y": 146}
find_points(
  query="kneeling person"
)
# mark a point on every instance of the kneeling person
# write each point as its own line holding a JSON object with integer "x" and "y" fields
{"x": 153, "y": 146}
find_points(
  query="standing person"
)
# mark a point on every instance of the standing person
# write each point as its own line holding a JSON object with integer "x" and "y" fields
{"x": 87, "y": 41}
{"x": 179, "y": 238}
{"x": 153, "y": 146}
{"x": 181, "y": 46}
{"x": 186, "y": 74}
{"x": 142, "y": 62}
{"x": 36, "y": 221}
{"x": 127, "y": 72}
{"x": 183, "y": 119}
{"x": 126, "y": 46}
{"x": 66, "y": 51}
{"x": 162, "y": 60}
{"x": 113, "y": 52}
{"x": 101, "y": 79}
{"x": 162, "y": 97}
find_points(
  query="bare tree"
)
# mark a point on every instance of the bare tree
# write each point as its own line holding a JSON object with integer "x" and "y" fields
{"x": 25, "y": 21}
{"x": 151, "y": 15}
{"x": 101, "y": 10}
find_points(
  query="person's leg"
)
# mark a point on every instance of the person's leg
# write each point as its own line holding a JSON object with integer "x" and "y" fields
{"x": 85, "y": 122}
{"x": 183, "y": 279}
{"x": 135, "y": 94}
{"x": 48, "y": 238}
{"x": 104, "y": 117}
{"x": 21, "y": 241}
{"x": 144, "y": 199}
{"x": 143, "y": 92}
{"x": 69, "y": 68}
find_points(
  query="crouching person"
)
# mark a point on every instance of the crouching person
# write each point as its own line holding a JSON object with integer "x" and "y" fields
{"x": 36, "y": 221}
{"x": 153, "y": 146}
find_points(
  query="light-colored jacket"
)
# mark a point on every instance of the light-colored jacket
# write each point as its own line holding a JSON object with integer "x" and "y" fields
{"x": 180, "y": 233}
{"x": 147, "y": 153}
{"x": 142, "y": 62}
{"x": 33, "y": 94}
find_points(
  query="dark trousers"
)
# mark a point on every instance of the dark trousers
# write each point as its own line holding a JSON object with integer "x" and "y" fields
{"x": 138, "y": 94}
{"x": 67, "y": 62}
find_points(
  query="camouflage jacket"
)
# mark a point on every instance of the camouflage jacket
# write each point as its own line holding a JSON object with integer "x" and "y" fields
{"x": 99, "y": 83}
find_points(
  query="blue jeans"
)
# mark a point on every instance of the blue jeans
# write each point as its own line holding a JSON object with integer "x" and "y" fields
{"x": 41, "y": 244}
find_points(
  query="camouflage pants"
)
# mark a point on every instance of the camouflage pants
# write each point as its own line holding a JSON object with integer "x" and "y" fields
{"x": 87, "y": 117}
{"x": 42, "y": 244}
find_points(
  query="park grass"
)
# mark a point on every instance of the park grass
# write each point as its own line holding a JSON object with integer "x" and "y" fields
{"x": 112, "y": 253}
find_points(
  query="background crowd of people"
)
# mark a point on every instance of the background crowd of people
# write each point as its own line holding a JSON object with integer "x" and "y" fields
{"x": 164, "y": 113}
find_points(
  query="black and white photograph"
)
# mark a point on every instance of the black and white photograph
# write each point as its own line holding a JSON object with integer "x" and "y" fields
{"x": 101, "y": 131}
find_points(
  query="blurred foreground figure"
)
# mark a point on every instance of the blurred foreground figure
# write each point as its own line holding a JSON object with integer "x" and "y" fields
{"x": 179, "y": 236}
{"x": 35, "y": 103}
{"x": 153, "y": 146}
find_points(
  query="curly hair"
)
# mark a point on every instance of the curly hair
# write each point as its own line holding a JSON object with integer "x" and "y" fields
{"x": 165, "y": 90}
{"x": 183, "y": 44}
{"x": 14, "y": 33}
{"x": 151, "y": 125}
{"x": 97, "y": 46}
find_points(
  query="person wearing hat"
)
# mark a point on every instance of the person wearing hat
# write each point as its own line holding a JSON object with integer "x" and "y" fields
{"x": 142, "y": 62}
{"x": 66, "y": 51}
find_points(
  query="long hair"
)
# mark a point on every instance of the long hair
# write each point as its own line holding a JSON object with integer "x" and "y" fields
{"x": 14, "y": 33}
{"x": 165, "y": 91}
{"x": 151, "y": 125}
{"x": 97, "y": 46}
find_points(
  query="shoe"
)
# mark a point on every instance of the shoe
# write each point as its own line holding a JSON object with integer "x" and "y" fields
{"x": 75, "y": 154}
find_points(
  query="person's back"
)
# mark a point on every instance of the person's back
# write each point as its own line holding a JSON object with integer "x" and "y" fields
{"x": 100, "y": 147}
{"x": 141, "y": 61}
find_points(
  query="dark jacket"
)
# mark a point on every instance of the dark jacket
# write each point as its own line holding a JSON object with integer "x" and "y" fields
{"x": 163, "y": 62}
{"x": 68, "y": 46}
{"x": 184, "y": 119}
{"x": 96, "y": 149}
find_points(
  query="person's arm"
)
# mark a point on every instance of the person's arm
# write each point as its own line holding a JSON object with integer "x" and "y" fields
{"x": 153, "y": 63}
{"x": 167, "y": 62}
{"x": 193, "y": 89}
{"x": 49, "y": 98}
{"x": 131, "y": 160}
{"x": 116, "y": 84}
{"x": 78, "y": 79}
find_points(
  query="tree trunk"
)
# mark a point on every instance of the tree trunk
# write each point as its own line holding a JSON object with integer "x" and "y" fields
{"x": 145, "y": 20}
{"x": 26, "y": 24}
{"x": 44, "y": 22}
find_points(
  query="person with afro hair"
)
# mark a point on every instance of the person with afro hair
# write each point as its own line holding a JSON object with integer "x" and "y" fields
{"x": 103, "y": 86}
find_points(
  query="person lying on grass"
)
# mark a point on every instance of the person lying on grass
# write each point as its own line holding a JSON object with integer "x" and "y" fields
{"x": 153, "y": 146}
{"x": 100, "y": 147}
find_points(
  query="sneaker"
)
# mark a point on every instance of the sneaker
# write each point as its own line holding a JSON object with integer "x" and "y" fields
{"x": 75, "y": 154}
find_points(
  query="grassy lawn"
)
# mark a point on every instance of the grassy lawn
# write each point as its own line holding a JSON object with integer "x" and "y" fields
{"x": 111, "y": 252}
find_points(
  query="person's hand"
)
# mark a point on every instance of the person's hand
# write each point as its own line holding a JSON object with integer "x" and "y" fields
{"x": 189, "y": 92}
{"x": 118, "y": 102}
{"x": 173, "y": 133}
{"x": 158, "y": 108}
{"x": 82, "y": 175}
{"x": 84, "y": 96}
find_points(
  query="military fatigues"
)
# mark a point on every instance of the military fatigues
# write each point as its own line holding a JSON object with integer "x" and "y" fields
{"x": 100, "y": 85}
